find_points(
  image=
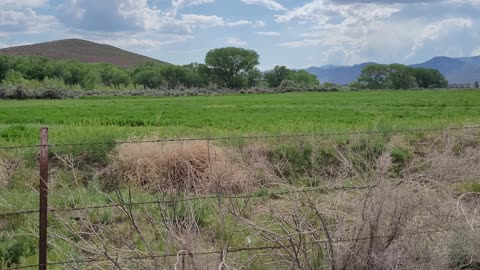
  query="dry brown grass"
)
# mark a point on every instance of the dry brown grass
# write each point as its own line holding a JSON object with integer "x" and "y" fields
{"x": 173, "y": 167}
{"x": 447, "y": 158}
{"x": 7, "y": 167}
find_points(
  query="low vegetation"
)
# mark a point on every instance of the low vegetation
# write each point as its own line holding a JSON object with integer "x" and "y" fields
{"x": 378, "y": 200}
{"x": 179, "y": 167}
{"x": 294, "y": 219}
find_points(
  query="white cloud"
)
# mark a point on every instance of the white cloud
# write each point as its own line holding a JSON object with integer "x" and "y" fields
{"x": 16, "y": 4}
{"x": 201, "y": 21}
{"x": 321, "y": 11}
{"x": 142, "y": 41}
{"x": 204, "y": 21}
{"x": 302, "y": 43}
{"x": 179, "y": 4}
{"x": 238, "y": 23}
{"x": 437, "y": 30}
{"x": 186, "y": 3}
{"x": 271, "y": 34}
{"x": 270, "y": 4}
{"x": 340, "y": 30}
{"x": 27, "y": 21}
{"x": 235, "y": 42}
{"x": 117, "y": 16}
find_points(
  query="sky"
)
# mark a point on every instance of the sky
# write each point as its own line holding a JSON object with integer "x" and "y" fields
{"x": 295, "y": 33}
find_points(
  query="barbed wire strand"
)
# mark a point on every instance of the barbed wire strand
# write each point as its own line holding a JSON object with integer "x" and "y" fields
{"x": 172, "y": 201}
{"x": 397, "y": 131}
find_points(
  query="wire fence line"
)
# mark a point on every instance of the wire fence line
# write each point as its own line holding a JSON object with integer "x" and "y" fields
{"x": 167, "y": 201}
{"x": 299, "y": 135}
{"x": 173, "y": 201}
{"x": 236, "y": 249}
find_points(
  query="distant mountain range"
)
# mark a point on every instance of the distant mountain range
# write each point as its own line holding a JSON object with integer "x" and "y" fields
{"x": 463, "y": 70}
{"x": 82, "y": 50}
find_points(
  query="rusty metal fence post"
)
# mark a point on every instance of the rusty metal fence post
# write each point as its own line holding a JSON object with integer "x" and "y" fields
{"x": 43, "y": 221}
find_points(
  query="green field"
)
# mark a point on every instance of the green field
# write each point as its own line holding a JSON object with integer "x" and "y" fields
{"x": 105, "y": 118}
{"x": 89, "y": 175}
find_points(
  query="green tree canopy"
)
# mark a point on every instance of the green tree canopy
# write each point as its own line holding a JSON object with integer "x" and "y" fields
{"x": 149, "y": 78}
{"x": 173, "y": 75}
{"x": 230, "y": 64}
{"x": 429, "y": 78}
{"x": 303, "y": 79}
{"x": 374, "y": 76}
{"x": 196, "y": 75}
{"x": 254, "y": 77}
{"x": 275, "y": 76}
{"x": 400, "y": 77}
{"x": 4, "y": 67}
{"x": 397, "y": 76}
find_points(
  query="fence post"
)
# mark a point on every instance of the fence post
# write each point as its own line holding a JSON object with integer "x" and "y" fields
{"x": 42, "y": 242}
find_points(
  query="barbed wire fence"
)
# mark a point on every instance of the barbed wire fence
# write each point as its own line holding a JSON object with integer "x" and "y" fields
{"x": 44, "y": 209}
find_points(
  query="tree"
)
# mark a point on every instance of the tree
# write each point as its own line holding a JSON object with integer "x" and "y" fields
{"x": 275, "y": 77}
{"x": 91, "y": 80}
{"x": 4, "y": 67}
{"x": 429, "y": 78}
{"x": 230, "y": 64}
{"x": 476, "y": 85}
{"x": 31, "y": 67}
{"x": 76, "y": 71}
{"x": 374, "y": 76}
{"x": 196, "y": 75}
{"x": 114, "y": 76}
{"x": 149, "y": 78}
{"x": 303, "y": 79}
{"x": 14, "y": 77}
{"x": 173, "y": 75}
{"x": 254, "y": 77}
{"x": 120, "y": 77}
{"x": 400, "y": 77}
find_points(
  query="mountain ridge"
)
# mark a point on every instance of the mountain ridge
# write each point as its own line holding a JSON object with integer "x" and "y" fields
{"x": 82, "y": 50}
{"x": 459, "y": 70}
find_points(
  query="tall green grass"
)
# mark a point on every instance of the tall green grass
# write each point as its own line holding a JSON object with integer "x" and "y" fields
{"x": 106, "y": 119}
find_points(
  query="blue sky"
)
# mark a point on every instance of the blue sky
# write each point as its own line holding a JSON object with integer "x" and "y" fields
{"x": 296, "y": 33}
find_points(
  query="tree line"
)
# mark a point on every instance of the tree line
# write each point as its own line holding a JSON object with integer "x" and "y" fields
{"x": 397, "y": 76}
{"x": 229, "y": 67}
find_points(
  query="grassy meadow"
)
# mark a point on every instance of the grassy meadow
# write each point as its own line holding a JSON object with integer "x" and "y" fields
{"x": 437, "y": 171}
{"x": 108, "y": 118}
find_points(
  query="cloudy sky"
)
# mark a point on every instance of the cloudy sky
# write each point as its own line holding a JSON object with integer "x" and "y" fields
{"x": 296, "y": 33}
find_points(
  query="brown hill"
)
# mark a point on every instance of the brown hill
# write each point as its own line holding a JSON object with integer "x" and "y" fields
{"x": 82, "y": 50}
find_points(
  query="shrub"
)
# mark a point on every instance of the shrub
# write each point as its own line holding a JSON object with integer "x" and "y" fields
{"x": 12, "y": 250}
{"x": 180, "y": 213}
{"x": 305, "y": 160}
{"x": 177, "y": 167}
{"x": 463, "y": 250}
{"x": 51, "y": 93}
{"x": 363, "y": 155}
{"x": 400, "y": 157}
{"x": 19, "y": 92}
{"x": 287, "y": 86}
